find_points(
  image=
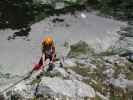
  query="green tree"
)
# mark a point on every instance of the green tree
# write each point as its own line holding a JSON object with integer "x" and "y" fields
{"x": 16, "y": 14}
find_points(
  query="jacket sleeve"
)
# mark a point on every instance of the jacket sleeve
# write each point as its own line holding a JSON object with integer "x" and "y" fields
{"x": 53, "y": 49}
{"x": 53, "y": 54}
{"x": 39, "y": 65}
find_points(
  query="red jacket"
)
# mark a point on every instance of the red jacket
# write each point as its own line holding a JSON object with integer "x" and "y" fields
{"x": 52, "y": 58}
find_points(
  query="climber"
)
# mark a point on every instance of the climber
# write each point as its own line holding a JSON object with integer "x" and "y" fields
{"x": 48, "y": 52}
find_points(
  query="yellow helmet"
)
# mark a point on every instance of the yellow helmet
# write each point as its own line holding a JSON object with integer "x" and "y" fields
{"x": 48, "y": 41}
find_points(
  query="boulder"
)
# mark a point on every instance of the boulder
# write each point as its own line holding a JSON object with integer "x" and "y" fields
{"x": 56, "y": 87}
{"x": 80, "y": 50}
{"x": 71, "y": 88}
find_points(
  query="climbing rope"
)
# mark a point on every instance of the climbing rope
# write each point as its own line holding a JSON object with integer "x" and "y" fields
{"x": 27, "y": 76}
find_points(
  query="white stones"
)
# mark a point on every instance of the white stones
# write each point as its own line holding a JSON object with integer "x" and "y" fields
{"x": 119, "y": 83}
{"x": 109, "y": 72}
{"x": 83, "y": 16}
{"x": 101, "y": 96}
{"x": 74, "y": 75}
{"x": 69, "y": 63}
{"x": 60, "y": 72}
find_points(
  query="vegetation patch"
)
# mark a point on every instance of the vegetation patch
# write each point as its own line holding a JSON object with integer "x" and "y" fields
{"x": 82, "y": 71}
{"x": 80, "y": 48}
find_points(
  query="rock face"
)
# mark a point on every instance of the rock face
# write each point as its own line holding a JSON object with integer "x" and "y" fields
{"x": 91, "y": 29}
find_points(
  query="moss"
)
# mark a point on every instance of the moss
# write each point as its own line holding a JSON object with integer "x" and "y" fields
{"x": 130, "y": 76}
{"x": 95, "y": 75}
{"x": 80, "y": 48}
{"x": 107, "y": 52}
{"x": 81, "y": 71}
{"x": 97, "y": 86}
{"x": 66, "y": 44}
{"x": 116, "y": 98}
{"x": 124, "y": 69}
{"x": 97, "y": 98}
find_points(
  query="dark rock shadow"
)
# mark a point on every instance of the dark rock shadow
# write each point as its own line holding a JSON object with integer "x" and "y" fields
{"x": 23, "y": 32}
{"x": 56, "y": 20}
